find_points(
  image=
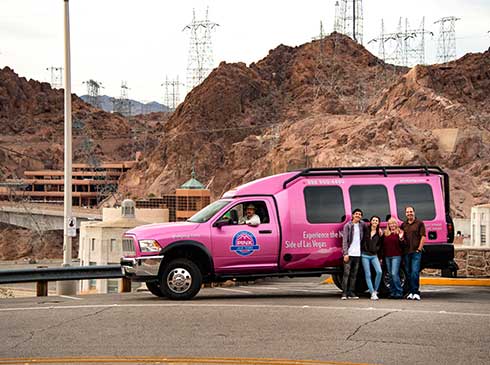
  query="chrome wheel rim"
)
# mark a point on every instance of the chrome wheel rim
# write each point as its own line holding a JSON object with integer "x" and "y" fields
{"x": 179, "y": 280}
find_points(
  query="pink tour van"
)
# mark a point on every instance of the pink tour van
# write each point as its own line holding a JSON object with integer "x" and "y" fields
{"x": 302, "y": 214}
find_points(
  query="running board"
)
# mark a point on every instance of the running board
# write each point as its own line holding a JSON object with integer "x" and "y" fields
{"x": 280, "y": 274}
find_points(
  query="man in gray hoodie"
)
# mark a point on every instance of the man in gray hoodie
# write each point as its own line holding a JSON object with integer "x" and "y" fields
{"x": 351, "y": 249}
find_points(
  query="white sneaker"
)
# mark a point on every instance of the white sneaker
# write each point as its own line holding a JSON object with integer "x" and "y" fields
{"x": 343, "y": 297}
{"x": 374, "y": 296}
{"x": 416, "y": 297}
{"x": 410, "y": 296}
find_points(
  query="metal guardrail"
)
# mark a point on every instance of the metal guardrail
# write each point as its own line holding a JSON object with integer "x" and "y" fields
{"x": 45, "y": 274}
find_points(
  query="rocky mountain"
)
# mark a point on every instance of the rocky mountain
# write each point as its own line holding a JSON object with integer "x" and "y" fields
{"x": 327, "y": 103}
{"x": 32, "y": 124}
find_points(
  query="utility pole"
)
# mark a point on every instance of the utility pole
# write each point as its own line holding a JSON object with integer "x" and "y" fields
{"x": 56, "y": 76}
{"x": 172, "y": 95}
{"x": 446, "y": 45}
{"x": 349, "y": 19}
{"x": 200, "y": 58}
{"x": 67, "y": 287}
{"x": 93, "y": 88}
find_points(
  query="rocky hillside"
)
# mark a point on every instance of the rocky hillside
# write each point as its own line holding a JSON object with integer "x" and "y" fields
{"x": 31, "y": 121}
{"x": 327, "y": 103}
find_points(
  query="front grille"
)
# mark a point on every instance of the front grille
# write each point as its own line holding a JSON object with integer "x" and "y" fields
{"x": 128, "y": 247}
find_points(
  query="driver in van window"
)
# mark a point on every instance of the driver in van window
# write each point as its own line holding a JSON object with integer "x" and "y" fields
{"x": 250, "y": 217}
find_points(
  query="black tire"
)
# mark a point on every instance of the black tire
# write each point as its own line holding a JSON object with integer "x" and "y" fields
{"x": 181, "y": 279}
{"x": 155, "y": 288}
{"x": 337, "y": 280}
{"x": 384, "y": 288}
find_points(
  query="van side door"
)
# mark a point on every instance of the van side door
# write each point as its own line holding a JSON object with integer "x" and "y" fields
{"x": 240, "y": 247}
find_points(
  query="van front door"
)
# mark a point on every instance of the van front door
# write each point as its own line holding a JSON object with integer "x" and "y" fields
{"x": 241, "y": 247}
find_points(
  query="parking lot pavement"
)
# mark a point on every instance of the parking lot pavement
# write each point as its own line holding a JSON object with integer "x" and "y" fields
{"x": 300, "y": 319}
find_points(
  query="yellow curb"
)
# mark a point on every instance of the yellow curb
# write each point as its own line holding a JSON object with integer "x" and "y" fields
{"x": 443, "y": 281}
{"x": 455, "y": 281}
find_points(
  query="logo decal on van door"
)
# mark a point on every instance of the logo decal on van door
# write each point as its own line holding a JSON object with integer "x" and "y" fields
{"x": 244, "y": 243}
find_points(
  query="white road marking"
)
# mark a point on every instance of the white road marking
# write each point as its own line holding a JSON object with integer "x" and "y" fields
{"x": 235, "y": 290}
{"x": 68, "y": 297}
{"x": 236, "y": 305}
{"x": 262, "y": 287}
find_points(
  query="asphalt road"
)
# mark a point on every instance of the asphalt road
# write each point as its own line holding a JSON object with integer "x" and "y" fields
{"x": 298, "y": 319}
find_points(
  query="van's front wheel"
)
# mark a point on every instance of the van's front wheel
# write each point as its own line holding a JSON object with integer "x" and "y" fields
{"x": 181, "y": 279}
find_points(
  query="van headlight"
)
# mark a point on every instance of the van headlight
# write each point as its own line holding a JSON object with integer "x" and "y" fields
{"x": 149, "y": 246}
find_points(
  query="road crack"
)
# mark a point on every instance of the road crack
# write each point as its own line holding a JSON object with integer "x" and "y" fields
{"x": 39, "y": 331}
{"x": 367, "y": 323}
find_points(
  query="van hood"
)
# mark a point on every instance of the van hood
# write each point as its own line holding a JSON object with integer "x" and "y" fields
{"x": 158, "y": 231}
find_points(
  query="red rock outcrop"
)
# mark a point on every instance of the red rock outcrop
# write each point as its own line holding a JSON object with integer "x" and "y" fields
{"x": 326, "y": 103}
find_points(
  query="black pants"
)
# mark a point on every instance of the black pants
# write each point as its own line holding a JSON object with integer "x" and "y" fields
{"x": 350, "y": 275}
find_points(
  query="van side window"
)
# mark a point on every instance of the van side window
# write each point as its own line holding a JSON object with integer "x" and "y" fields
{"x": 371, "y": 199}
{"x": 238, "y": 212}
{"x": 324, "y": 204}
{"x": 417, "y": 195}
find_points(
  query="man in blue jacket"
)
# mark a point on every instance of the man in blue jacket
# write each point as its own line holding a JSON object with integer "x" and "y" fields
{"x": 351, "y": 249}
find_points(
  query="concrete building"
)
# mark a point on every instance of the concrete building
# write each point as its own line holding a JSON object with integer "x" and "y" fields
{"x": 101, "y": 243}
{"x": 462, "y": 225}
{"x": 90, "y": 184}
{"x": 480, "y": 226}
{"x": 190, "y": 198}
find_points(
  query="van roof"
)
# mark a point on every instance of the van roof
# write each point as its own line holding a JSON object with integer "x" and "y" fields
{"x": 271, "y": 185}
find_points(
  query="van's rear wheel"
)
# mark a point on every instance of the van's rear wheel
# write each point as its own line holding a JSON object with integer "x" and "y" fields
{"x": 337, "y": 280}
{"x": 155, "y": 288}
{"x": 181, "y": 279}
{"x": 384, "y": 288}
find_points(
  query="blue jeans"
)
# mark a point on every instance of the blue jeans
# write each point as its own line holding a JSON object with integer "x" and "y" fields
{"x": 393, "y": 266}
{"x": 412, "y": 267}
{"x": 367, "y": 261}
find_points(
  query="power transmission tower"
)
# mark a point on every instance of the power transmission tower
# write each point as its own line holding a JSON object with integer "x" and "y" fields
{"x": 446, "y": 45}
{"x": 56, "y": 76}
{"x": 122, "y": 104}
{"x": 172, "y": 96}
{"x": 93, "y": 88}
{"x": 405, "y": 47}
{"x": 349, "y": 19}
{"x": 320, "y": 70}
{"x": 200, "y": 58}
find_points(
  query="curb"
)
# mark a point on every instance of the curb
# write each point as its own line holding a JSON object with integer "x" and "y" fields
{"x": 443, "y": 281}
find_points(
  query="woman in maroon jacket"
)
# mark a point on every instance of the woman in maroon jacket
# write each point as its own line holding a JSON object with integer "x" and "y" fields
{"x": 393, "y": 237}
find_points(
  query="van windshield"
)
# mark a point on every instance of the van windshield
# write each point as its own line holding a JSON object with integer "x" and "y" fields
{"x": 207, "y": 212}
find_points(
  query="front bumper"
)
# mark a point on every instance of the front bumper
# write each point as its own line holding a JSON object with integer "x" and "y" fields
{"x": 141, "y": 268}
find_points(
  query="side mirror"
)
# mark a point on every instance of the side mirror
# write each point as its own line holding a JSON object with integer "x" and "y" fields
{"x": 222, "y": 222}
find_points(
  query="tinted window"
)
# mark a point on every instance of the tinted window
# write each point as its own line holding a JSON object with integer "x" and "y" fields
{"x": 324, "y": 204}
{"x": 417, "y": 195}
{"x": 371, "y": 199}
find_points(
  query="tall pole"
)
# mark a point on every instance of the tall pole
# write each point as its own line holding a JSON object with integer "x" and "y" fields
{"x": 354, "y": 20}
{"x": 67, "y": 287}
{"x": 68, "y": 142}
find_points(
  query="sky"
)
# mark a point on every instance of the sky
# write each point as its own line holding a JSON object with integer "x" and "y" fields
{"x": 142, "y": 42}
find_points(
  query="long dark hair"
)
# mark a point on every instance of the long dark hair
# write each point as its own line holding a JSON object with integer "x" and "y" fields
{"x": 379, "y": 220}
